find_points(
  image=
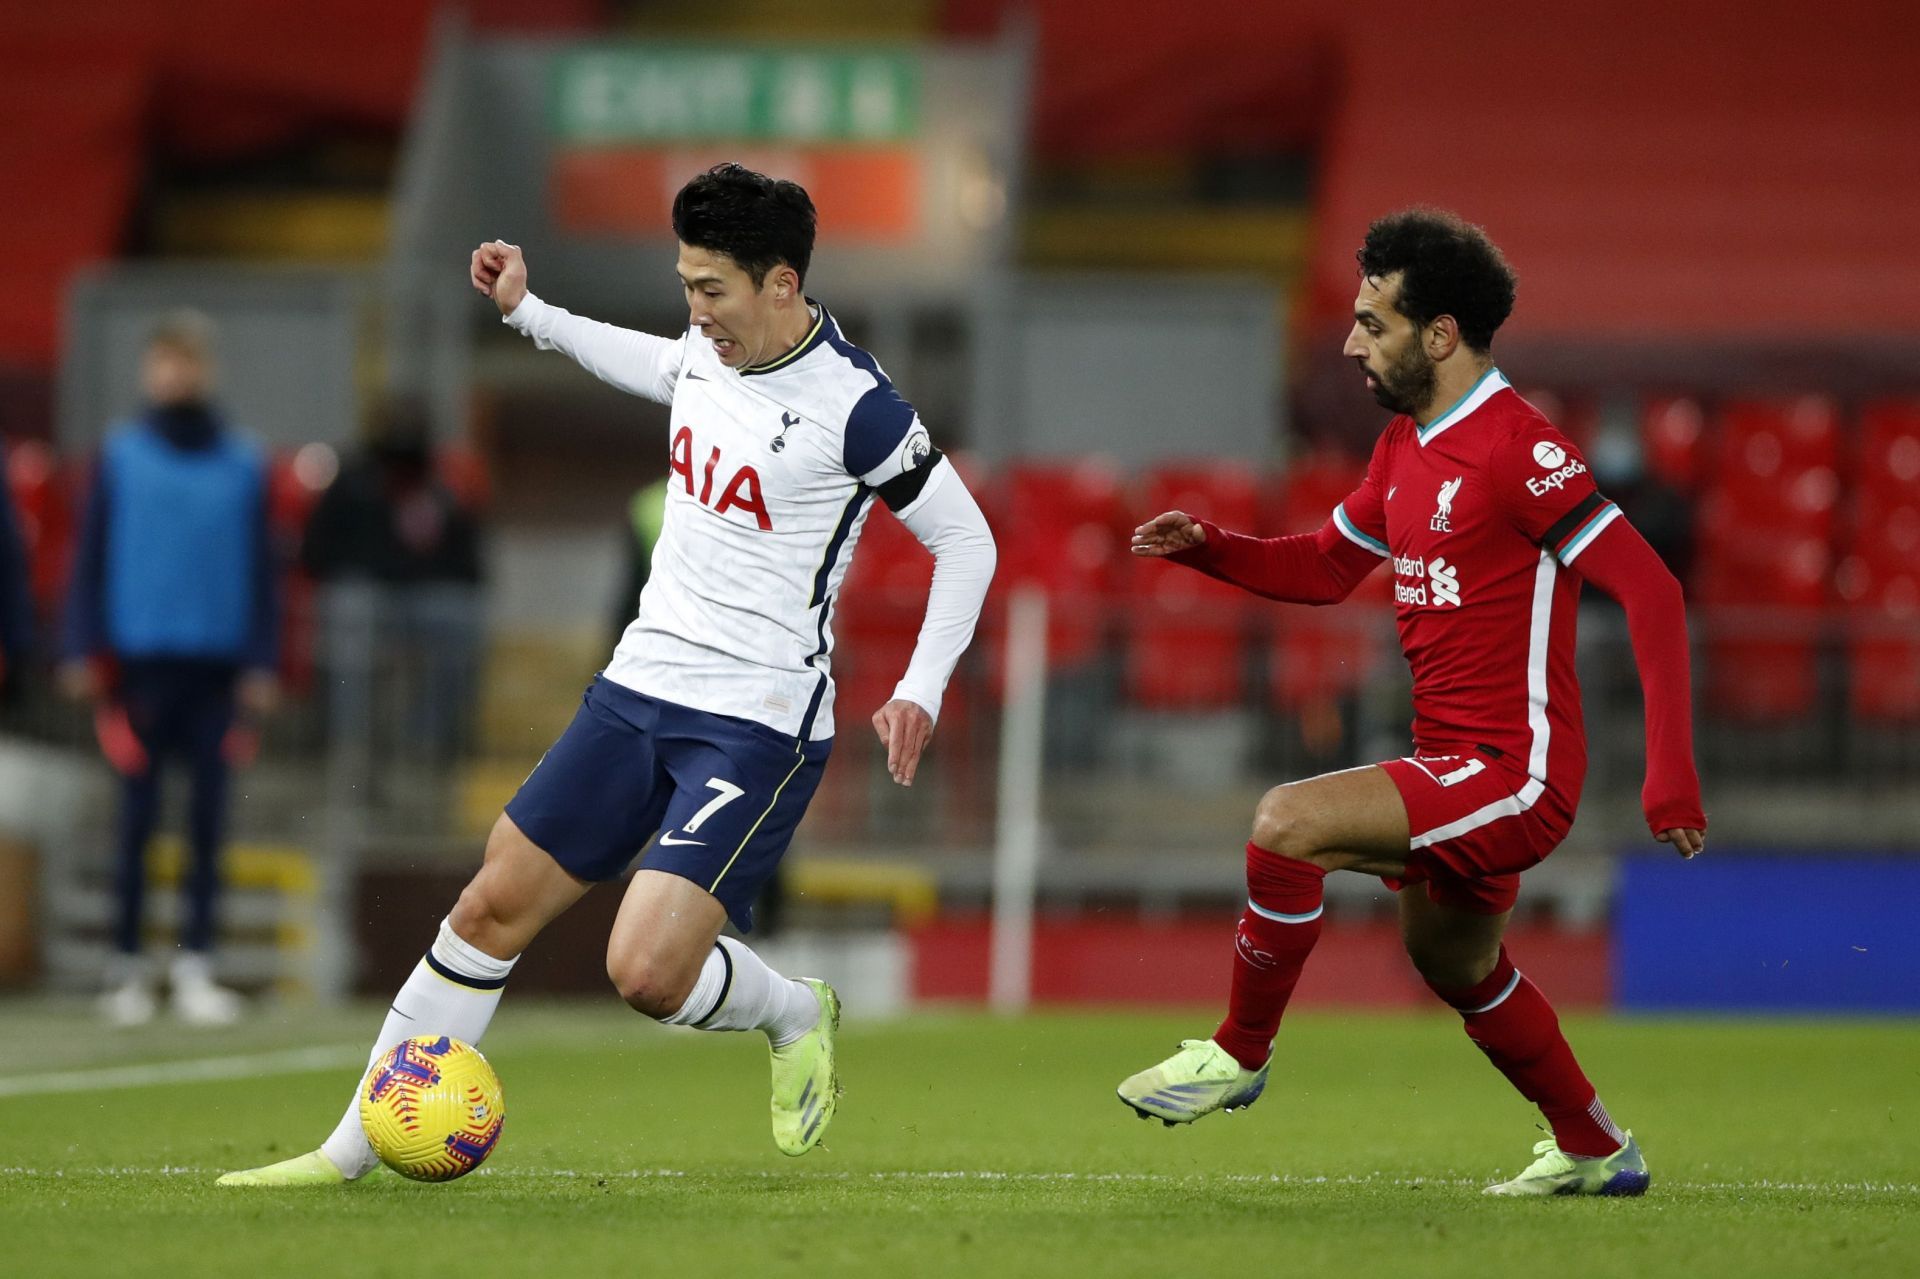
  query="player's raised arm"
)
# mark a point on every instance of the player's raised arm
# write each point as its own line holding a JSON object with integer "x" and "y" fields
{"x": 637, "y": 363}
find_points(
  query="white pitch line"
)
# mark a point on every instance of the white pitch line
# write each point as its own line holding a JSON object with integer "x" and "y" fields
{"x": 988, "y": 1175}
{"x": 291, "y": 1061}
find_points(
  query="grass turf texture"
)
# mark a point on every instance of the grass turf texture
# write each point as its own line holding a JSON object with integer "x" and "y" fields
{"x": 970, "y": 1146}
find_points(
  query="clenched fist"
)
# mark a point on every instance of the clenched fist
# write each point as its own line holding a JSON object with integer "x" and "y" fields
{"x": 501, "y": 273}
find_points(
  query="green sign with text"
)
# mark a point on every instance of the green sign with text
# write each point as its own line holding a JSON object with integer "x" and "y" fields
{"x": 690, "y": 94}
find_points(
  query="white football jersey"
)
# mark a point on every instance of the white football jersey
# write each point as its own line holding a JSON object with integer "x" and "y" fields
{"x": 772, "y": 474}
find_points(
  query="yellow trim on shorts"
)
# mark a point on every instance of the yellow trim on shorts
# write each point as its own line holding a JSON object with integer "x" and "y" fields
{"x": 714, "y": 887}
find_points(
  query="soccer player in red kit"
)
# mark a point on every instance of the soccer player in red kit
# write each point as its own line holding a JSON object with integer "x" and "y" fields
{"x": 1489, "y": 520}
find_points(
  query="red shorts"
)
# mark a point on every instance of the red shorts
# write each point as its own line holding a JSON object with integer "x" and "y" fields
{"x": 1476, "y": 821}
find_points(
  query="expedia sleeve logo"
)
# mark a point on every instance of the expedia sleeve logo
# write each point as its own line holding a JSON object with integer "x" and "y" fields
{"x": 1558, "y": 466}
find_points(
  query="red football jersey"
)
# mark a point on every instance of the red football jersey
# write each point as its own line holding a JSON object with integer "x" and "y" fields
{"x": 1478, "y": 514}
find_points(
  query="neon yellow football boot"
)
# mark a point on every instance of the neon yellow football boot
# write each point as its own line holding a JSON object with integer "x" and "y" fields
{"x": 310, "y": 1169}
{"x": 805, "y": 1082}
{"x": 1554, "y": 1172}
{"x": 1196, "y": 1081}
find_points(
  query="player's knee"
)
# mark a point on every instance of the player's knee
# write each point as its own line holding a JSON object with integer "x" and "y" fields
{"x": 1280, "y": 827}
{"x": 1449, "y": 969}
{"x": 648, "y": 988}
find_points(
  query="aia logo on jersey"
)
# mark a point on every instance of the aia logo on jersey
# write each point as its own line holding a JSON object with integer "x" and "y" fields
{"x": 742, "y": 492}
{"x": 1443, "y": 508}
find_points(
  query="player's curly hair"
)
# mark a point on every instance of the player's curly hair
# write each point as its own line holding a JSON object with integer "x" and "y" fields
{"x": 1448, "y": 267}
{"x": 758, "y": 221}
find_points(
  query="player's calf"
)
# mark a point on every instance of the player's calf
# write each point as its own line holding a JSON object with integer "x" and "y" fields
{"x": 736, "y": 990}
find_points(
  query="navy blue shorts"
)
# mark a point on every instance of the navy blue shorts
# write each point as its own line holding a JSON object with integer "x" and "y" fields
{"x": 725, "y": 794}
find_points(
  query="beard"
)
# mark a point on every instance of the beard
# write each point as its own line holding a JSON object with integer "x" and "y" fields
{"x": 1407, "y": 385}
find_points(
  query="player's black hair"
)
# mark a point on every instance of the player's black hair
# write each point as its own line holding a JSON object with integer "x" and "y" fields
{"x": 758, "y": 221}
{"x": 1448, "y": 266}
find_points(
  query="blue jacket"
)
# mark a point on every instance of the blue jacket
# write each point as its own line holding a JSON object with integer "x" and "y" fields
{"x": 175, "y": 557}
{"x": 16, "y": 593}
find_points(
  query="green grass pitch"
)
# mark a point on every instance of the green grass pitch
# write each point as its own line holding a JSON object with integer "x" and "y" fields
{"x": 967, "y": 1145}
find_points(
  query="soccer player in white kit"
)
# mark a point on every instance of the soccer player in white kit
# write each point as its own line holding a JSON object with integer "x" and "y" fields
{"x": 711, "y": 725}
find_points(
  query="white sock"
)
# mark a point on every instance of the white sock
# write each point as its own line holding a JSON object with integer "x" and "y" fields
{"x": 737, "y": 991}
{"x": 452, "y": 991}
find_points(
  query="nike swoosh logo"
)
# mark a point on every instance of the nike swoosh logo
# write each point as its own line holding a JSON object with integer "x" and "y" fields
{"x": 695, "y": 377}
{"x": 1390, "y": 492}
{"x": 668, "y": 840}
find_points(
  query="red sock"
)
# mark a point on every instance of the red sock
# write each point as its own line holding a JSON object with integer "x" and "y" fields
{"x": 1277, "y": 933}
{"x": 1515, "y": 1026}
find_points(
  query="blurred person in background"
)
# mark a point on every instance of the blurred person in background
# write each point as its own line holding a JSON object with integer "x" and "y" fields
{"x": 172, "y": 633}
{"x": 16, "y": 597}
{"x": 398, "y": 557}
{"x": 1662, "y": 511}
{"x": 646, "y": 513}
{"x": 1490, "y": 520}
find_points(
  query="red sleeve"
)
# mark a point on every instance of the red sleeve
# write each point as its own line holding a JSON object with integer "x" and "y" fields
{"x": 1305, "y": 568}
{"x": 1625, "y": 567}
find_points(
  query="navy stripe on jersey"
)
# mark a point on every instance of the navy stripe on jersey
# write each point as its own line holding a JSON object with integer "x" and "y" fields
{"x": 847, "y": 518}
{"x": 819, "y": 689}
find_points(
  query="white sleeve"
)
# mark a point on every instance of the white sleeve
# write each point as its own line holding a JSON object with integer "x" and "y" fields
{"x": 948, "y": 522}
{"x": 638, "y": 363}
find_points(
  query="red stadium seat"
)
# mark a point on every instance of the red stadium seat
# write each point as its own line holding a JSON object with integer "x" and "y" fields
{"x": 1889, "y": 484}
{"x": 1781, "y": 458}
{"x": 1879, "y": 582}
{"x": 1063, "y": 528}
{"x": 1673, "y": 433}
{"x": 1227, "y": 493}
{"x": 1768, "y": 527}
{"x": 877, "y": 616}
{"x": 1883, "y": 642}
{"x": 1764, "y": 598}
{"x": 1185, "y": 632}
{"x": 1186, "y": 640}
{"x": 1315, "y": 655}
